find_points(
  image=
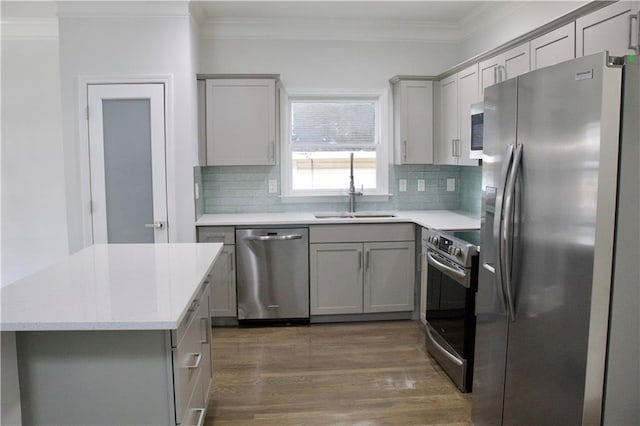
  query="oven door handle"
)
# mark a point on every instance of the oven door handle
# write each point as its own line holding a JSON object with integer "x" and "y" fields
{"x": 435, "y": 262}
{"x": 457, "y": 361}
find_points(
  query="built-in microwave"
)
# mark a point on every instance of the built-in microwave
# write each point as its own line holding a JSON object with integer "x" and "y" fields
{"x": 477, "y": 124}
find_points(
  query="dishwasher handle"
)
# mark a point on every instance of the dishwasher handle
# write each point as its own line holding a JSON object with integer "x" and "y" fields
{"x": 274, "y": 237}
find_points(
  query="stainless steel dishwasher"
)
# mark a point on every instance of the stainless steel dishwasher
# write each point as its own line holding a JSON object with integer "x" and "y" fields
{"x": 273, "y": 274}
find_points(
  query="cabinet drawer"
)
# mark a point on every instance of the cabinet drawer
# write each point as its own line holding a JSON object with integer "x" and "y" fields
{"x": 195, "y": 409}
{"x": 178, "y": 334}
{"x": 361, "y": 233}
{"x": 216, "y": 234}
{"x": 189, "y": 359}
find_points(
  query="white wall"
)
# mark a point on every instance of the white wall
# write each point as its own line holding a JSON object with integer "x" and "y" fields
{"x": 511, "y": 21}
{"x": 133, "y": 46}
{"x": 326, "y": 64}
{"x": 34, "y": 223}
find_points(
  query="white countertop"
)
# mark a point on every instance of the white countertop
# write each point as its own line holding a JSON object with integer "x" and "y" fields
{"x": 438, "y": 219}
{"x": 110, "y": 287}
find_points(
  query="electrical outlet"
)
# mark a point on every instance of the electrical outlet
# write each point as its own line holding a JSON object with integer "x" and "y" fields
{"x": 402, "y": 184}
{"x": 451, "y": 185}
{"x": 420, "y": 185}
{"x": 197, "y": 191}
{"x": 273, "y": 186}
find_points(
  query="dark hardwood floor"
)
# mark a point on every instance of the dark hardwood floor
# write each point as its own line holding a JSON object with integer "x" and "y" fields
{"x": 337, "y": 374}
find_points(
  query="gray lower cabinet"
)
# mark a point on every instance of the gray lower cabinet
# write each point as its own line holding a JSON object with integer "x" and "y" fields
{"x": 374, "y": 274}
{"x": 336, "y": 278}
{"x": 118, "y": 377}
{"x": 223, "y": 285}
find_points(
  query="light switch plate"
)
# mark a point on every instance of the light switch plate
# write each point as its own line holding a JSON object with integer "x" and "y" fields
{"x": 420, "y": 185}
{"x": 451, "y": 185}
{"x": 402, "y": 185}
{"x": 273, "y": 186}
{"x": 197, "y": 191}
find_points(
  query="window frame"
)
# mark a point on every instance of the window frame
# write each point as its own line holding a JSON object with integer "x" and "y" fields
{"x": 381, "y": 98}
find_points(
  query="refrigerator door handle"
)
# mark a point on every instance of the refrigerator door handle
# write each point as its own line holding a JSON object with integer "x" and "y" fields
{"x": 507, "y": 230}
{"x": 497, "y": 224}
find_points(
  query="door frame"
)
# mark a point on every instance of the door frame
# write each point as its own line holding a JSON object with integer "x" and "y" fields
{"x": 83, "y": 145}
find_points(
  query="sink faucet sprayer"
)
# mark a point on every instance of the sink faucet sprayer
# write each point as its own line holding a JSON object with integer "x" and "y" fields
{"x": 352, "y": 188}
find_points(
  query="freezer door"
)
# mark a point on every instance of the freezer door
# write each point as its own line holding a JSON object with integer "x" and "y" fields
{"x": 500, "y": 103}
{"x": 566, "y": 191}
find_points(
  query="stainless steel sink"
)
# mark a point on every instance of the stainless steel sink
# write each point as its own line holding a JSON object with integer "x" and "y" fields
{"x": 356, "y": 215}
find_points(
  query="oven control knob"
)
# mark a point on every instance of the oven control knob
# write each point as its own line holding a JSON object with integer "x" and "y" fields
{"x": 456, "y": 251}
{"x": 450, "y": 250}
{"x": 435, "y": 241}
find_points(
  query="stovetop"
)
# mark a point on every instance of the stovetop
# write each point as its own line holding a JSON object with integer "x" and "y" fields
{"x": 471, "y": 236}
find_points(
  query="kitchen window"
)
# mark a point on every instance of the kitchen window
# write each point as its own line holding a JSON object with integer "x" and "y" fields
{"x": 321, "y": 131}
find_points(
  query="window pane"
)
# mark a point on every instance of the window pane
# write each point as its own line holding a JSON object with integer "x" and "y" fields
{"x": 329, "y": 124}
{"x": 330, "y": 170}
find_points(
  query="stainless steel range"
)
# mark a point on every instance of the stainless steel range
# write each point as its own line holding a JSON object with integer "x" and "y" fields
{"x": 452, "y": 280}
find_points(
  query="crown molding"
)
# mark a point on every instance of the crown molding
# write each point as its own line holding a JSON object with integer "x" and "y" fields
{"x": 29, "y": 29}
{"x": 123, "y": 9}
{"x": 323, "y": 29}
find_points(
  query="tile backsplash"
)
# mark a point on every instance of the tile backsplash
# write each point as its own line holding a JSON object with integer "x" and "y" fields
{"x": 244, "y": 189}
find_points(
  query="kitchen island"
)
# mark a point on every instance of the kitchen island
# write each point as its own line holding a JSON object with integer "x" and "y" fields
{"x": 115, "y": 334}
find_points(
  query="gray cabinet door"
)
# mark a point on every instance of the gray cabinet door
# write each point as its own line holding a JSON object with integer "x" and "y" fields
{"x": 223, "y": 284}
{"x": 389, "y": 276}
{"x": 336, "y": 278}
{"x": 241, "y": 122}
{"x": 610, "y": 28}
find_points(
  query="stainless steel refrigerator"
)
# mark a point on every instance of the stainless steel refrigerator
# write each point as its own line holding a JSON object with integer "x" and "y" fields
{"x": 557, "y": 302}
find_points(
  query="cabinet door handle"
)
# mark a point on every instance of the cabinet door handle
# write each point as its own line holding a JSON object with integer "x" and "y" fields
{"x": 200, "y": 412}
{"x": 458, "y": 149}
{"x": 404, "y": 149}
{"x": 231, "y": 262}
{"x": 206, "y": 329}
{"x": 635, "y": 47}
{"x": 495, "y": 74}
{"x": 360, "y": 255}
{"x": 366, "y": 260}
{"x": 196, "y": 363}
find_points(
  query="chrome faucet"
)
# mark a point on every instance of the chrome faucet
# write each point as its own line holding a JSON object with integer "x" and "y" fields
{"x": 352, "y": 188}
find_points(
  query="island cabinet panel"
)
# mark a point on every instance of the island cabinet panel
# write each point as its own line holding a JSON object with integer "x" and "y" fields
{"x": 95, "y": 377}
{"x": 118, "y": 377}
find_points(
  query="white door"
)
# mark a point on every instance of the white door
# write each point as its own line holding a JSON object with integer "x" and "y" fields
{"x": 127, "y": 162}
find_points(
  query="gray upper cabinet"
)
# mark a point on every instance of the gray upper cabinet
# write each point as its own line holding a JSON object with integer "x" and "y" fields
{"x": 554, "y": 47}
{"x": 509, "y": 64}
{"x": 614, "y": 28}
{"x": 241, "y": 122}
{"x": 413, "y": 121}
{"x": 468, "y": 94}
{"x": 457, "y": 93}
{"x": 446, "y": 148}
